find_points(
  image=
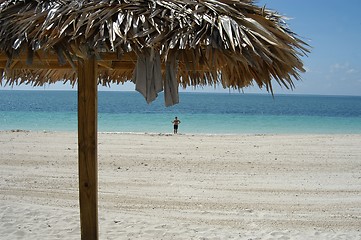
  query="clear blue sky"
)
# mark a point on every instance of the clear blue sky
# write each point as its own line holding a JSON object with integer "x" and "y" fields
{"x": 331, "y": 27}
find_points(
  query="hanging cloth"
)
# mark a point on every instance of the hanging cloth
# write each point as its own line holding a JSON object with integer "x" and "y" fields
{"x": 147, "y": 75}
{"x": 171, "y": 95}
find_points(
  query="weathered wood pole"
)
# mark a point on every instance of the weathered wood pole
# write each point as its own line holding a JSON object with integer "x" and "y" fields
{"x": 87, "y": 148}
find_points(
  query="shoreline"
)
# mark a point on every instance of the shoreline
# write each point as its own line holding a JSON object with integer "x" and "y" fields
{"x": 184, "y": 186}
{"x": 181, "y": 134}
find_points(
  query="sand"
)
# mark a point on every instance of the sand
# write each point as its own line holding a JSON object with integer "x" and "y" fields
{"x": 164, "y": 186}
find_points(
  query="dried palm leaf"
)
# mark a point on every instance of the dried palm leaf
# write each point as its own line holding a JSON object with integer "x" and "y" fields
{"x": 233, "y": 43}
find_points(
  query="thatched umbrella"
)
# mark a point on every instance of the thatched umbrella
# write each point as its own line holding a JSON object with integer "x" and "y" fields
{"x": 158, "y": 45}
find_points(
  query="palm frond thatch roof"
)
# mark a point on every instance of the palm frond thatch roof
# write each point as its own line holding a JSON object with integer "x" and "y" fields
{"x": 229, "y": 42}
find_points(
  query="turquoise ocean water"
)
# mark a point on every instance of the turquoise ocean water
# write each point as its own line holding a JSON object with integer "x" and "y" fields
{"x": 210, "y": 113}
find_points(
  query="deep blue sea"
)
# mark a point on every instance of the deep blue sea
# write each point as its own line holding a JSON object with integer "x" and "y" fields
{"x": 210, "y": 113}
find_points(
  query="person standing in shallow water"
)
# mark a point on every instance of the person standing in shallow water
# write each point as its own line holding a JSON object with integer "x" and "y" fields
{"x": 176, "y": 122}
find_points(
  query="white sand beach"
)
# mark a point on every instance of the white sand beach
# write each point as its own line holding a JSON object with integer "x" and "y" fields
{"x": 163, "y": 186}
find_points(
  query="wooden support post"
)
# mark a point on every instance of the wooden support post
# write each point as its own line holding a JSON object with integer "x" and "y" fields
{"x": 87, "y": 144}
